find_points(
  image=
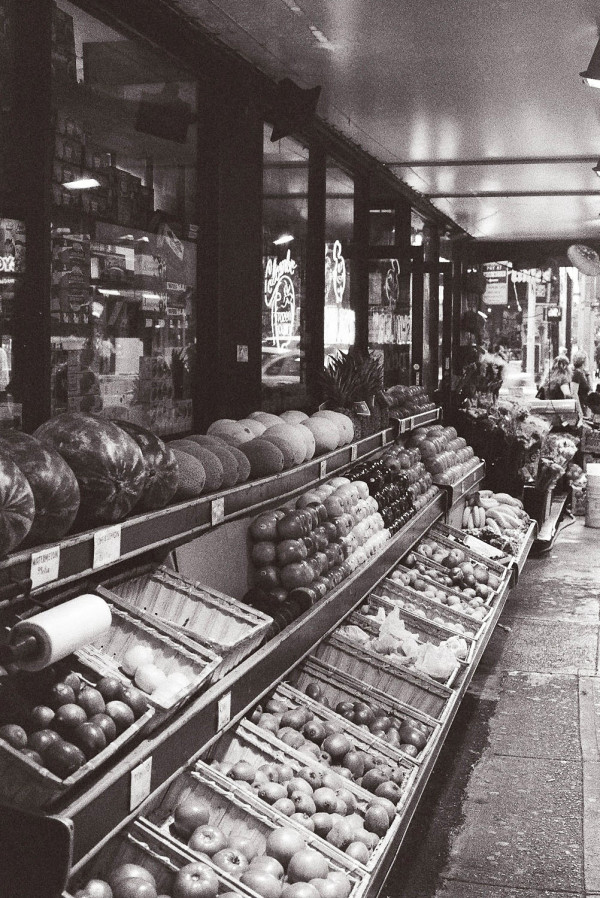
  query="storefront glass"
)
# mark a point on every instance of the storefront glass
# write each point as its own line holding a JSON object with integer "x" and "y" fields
{"x": 285, "y": 216}
{"x": 123, "y": 233}
{"x": 390, "y": 332}
{"x": 339, "y": 322}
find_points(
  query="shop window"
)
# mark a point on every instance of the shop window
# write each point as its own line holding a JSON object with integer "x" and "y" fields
{"x": 339, "y": 323}
{"x": 123, "y": 301}
{"x": 382, "y": 226}
{"x": 285, "y": 215}
{"x": 390, "y": 323}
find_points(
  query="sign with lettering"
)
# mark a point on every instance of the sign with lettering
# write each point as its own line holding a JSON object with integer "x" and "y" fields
{"x": 44, "y": 566}
{"x": 496, "y": 283}
{"x": 7, "y": 264}
{"x": 107, "y": 546}
{"x": 280, "y": 298}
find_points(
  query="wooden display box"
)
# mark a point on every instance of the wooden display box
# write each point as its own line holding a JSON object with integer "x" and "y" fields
{"x": 538, "y": 503}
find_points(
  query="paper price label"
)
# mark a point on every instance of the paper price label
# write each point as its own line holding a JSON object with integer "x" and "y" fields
{"x": 107, "y": 546}
{"x": 140, "y": 784}
{"x": 217, "y": 511}
{"x": 322, "y": 469}
{"x": 44, "y": 566}
{"x": 224, "y": 711}
{"x": 353, "y": 452}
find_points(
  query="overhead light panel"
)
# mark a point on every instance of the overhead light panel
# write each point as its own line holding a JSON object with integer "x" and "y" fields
{"x": 591, "y": 76}
{"x": 82, "y": 184}
{"x": 285, "y": 238}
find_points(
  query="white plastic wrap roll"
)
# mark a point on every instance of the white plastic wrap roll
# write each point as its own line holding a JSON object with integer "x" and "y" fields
{"x": 61, "y": 630}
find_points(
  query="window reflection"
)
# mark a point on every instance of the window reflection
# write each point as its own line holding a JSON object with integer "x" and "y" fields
{"x": 339, "y": 325}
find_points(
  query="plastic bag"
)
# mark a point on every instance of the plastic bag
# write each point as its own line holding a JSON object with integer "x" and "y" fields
{"x": 437, "y": 662}
{"x": 458, "y": 646}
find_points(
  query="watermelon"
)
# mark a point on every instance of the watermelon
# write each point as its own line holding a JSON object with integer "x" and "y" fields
{"x": 53, "y": 484}
{"x": 17, "y": 505}
{"x": 162, "y": 477}
{"x": 106, "y": 461}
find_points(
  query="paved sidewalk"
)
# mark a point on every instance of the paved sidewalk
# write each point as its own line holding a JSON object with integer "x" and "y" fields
{"x": 513, "y": 807}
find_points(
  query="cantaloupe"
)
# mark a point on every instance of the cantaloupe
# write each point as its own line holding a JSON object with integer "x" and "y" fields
{"x": 342, "y": 422}
{"x": 223, "y": 452}
{"x": 309, "y": 442}
{"x": 222, "y": 421}
{"x": 209, "y": 461}
{"x": 192, "y": 476}
{"x": 290, "y": 433}
{"x": 230, "y": 431}
{"x": 243, "y": 463}
{"x": 293, "y": 416}
{"x": 285, "y": 447}
{"x": 265, "y": 418}
{"x": 264, "y": 457}
{"x": 253, "y": 424}
{"x": 325, "y": 433}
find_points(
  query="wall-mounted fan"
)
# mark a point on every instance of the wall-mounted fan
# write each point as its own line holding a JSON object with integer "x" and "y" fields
{"x": 585, "y": 259}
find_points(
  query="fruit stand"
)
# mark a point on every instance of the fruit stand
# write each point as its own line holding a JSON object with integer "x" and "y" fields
{"x": 124, "y": 793}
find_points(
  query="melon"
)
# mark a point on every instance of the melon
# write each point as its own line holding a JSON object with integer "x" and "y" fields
{"x": 191, "y": 474}
{"x": 214, "y": 442}
{"x": 231, "y": 431}
{"x": 243, "y": 463}
{"x": 288, "y": 432}
{"x": 293, "y": 416}
{"x": 265, "y": 458}
{"x": 221, "y": 450}
{"x": 342, "y": 422}
{"x": 265, "y": 418}
{"x": 213, "y": 469}
{"x": 53, "y": 484}
{"x": 325, "y": 433}
{"x": 160, "y": 464}
{"x": 309, "y": 442}
{"x": 17, "y": 505}
{"x": 106, "y": 461}
{"x": 284, "y": 446}
{"x": 257, "y": 427}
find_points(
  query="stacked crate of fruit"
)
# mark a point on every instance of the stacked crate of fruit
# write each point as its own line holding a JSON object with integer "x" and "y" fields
{"x": 445, "y": 455}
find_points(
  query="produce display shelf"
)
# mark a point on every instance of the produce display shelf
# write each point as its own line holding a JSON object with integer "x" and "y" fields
{"x": 457, "y": 490}
{"x": 549, "y": 529}
{"x": 372, "y": 886}
{"x": 405, "y": 425}
{"x": 518, "y": 562}
{"x": 105, "y": 804}
{"x": 176, "y": 524}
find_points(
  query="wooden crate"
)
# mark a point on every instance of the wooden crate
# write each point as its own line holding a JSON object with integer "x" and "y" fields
{"x": 422, "y": 605}
{"x": 236, "y": 812}
{"x": 172, "y": 653}
{"x": 141, "y": 845}
{"x": 375, "y": 670}
{"x": 227, "y": 627}
{"x": 431, "y": 581}
{"x": 451, "y": 538}
{"x": 24, "y": 784}
{"x": 246, "y": 743}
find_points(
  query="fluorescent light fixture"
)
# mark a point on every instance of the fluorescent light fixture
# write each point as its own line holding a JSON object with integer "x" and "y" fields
{"x": 82, "y": 184}
{"x": 591, "y": 76}
{"x": 106, "y": 292}
{"x": 483, "y": 315}
{"x": 151, "y": 296}
{"x": 285, "y": 238}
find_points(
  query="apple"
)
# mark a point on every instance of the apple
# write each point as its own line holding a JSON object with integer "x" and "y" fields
{"x": 245, "y": 844}
{"x": 285, "y": 806}
{"x": 267, "y": 577}
{"x": 268, "y": 865}
{"x": 272, "y": 792}
{"x": 97, "y": 888}
{"x": 63, "y": 758}
{"x": 136, "y": 700}
{"x": 134, "y": 887}
{"x": 299, "y": 890}
{"x": 60, "y": 694}
{"x": 283, "y": 843}
{"x": 262, "y": 883}
{"x": 242, "y": 770}
{"x": 327, "y": 888}
{"x": 121, "y": 714}
{"x": 337, "y": 745}
{"x": 130, "y": 871}
{"x": 312, "y": 776}
{"x": 303, "y": 820}
{"x": 109, "y": 688}
{"x": 106, "y": 724}
{"x": 195, "y": 880}
{"x": 271, "y": 771}
{"x": 377, "y": 820}
{"x": 268, "y": 722}
{"x": 231, "y": 861}
{"x": 298, "y": 784}
{"x": 14, "y": 735}
{"x": 89, "y": 737}
{"x": 91, "y": 701}
{"x": 41, "y": 740}
{"x": 303, "y": 803}
{"x": 40, "y": 717}
{"x": 207, "y": 839}
{"x": 189, "y": 815}
{"x": 68, "y": 717}
{"x": 358, "y": 851}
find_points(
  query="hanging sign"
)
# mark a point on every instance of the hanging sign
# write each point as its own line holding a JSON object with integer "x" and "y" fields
{"x": 280, "y": 298}
{"x": 496, "y": 283}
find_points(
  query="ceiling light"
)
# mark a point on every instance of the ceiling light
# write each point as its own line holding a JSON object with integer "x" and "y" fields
{"x": 591, "y": 76}
{"x": 285, "y": 238}
{"x": 82, "y": 184}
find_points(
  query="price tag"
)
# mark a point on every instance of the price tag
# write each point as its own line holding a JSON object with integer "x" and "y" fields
{"x": 140, "y": 783}
{"x": 353, "y": 452}
{"x": 44, "y": 566}
{"x": 107, "y": 546}
{"x": 383, "y": 438}
{"x": 404, "y": 424}
{"x": 224, "y": 711}
{"x": 217, "y": 511}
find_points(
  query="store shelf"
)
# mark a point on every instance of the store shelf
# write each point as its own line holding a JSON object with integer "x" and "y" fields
{"x": 405, "y": 425}
{"x": 457, "y": 490}
{"x": 105, "y": 805}
{"x": 373, "y": 885}
{"x": 176, "y": 524}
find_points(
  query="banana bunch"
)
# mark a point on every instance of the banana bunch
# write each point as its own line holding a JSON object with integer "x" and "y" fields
{"x": 497, "y": 511}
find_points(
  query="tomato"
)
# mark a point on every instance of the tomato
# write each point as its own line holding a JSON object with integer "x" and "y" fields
{"x": 297, "y": 574}
{"x": 264, "y": 527}
{"x": 267, "y": 577}
{"x": 263, "y": 553}
{"x": 292, "y": 525}
{"x": 290, "y": 550}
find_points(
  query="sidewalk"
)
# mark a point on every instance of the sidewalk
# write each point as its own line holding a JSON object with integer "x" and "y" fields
{"x": 513, "y": 807}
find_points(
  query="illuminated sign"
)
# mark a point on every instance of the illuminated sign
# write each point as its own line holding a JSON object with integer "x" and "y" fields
{"x": 392, "y": 282}
{"x": 7, "y": 264}
{"x": 335, "y": 272}
{"x": 280, "y": 298}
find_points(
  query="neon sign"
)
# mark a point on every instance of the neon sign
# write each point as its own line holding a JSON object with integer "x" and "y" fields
{"x": 280, "y": 298}
{"x": 7, "y": 264}
{"x": 392, "y": 282}
{"x": 335, "y": 272}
